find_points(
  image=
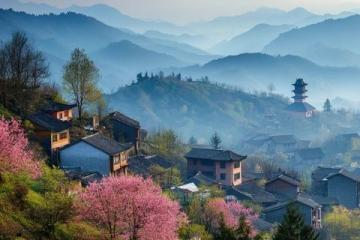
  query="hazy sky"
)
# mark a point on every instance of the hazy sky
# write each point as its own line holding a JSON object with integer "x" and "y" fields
{"x": 183, "y": 11}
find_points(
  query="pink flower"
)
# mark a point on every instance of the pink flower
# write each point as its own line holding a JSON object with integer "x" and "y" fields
{"x": 14, "y": 153}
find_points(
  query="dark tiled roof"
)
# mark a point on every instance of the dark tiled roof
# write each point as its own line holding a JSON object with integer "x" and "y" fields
{"x": 200, "y": 179}
{"x": 118, "y": 116}
{"x": 48, "y": 122}
{"x": 345, "y": 173}
{"x": 301, "y": 198}
{"x": 253, "y": 192}
{"x": 52, "y": 106}
{"x": 105, "y": 144}
{"x": 320, "y": 173}
{"x": 84, "y": 177}
{"x": 214, "y": 154}
{"x": 300, "y": 107}
{"x": 140, "y": 164}
{"x": 324, "y": 200}
{"x": 285, "y": 178}
{"x": 284, "y": 139}
{"x": 311, "y": 153}
{"x": 261, "y": 225}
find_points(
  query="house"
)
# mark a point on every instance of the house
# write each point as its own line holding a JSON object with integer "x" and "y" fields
{"x": 124, "y": 129}
{"x": 310, "y": 156}
{"x": 284, "y": 185}
{"x": 201, "y": 180}
{"x": 61, "y": 111}
{"x": 140, "y": 164}
{"x": 50, "y": 132}
{"x": 223, "y": 166}
{"x": 284, "y": 144}
{"x": 96, "y": 153}
{"x": 185, "y": 192}
{"x": 337, "y": 183}
{"x": 252, "y": 192}
{"x": 308, "y": 208}
{"x": 299, "y": 107}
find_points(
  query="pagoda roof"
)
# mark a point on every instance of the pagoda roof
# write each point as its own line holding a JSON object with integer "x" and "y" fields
{"x": 300, "y": 82}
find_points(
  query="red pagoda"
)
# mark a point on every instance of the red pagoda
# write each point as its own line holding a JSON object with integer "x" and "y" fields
{"x": 299, "y": 106}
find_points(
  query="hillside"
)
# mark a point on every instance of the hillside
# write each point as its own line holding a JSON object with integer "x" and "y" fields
{"x": 193, "y": 107}
{"x": 256, "y": 71}
{"x": 335, "y": 42}
{"x": 253, "y": 40}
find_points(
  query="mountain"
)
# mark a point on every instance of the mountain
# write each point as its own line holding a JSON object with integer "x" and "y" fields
{"x": 253, "y": 40}
{"x": 58, "y": 35}
{"x": 104, "y": 13}
{"x": 231, "y": 26}
{"x": 124, "y": 59}
{"x": 194, "y": 108}
{"x": 113, "y": 17}
{"x": 256, "y": 71}
{"x": 335, "y": 42}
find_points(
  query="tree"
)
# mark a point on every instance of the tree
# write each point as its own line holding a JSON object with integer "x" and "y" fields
{"x": 80, "y": 79}
{"x": 165, "y": 142}
{"x": 192, "y": 141}
{"x": 327, "y": 106}
{"x": 216, "y": 209}
{"x": 342, "y": 223}
{"x": 293, "y": 227}
{"x": 215, "y": 141}
{"x": 15, "y": 155}
{"x": 22, "y": 71}
{"x": 194, "y": 231}
{"x": 130, "y": 208}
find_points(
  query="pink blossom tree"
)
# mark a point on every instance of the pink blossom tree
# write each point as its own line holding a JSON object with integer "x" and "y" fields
{"x": 130, "y": 208}
{"x": 230, "y": 211}
{"x": 14, "y": 153}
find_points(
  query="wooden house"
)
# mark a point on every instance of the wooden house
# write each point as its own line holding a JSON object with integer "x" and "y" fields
{"x": 96, "y": 153}
{"x": 283, "y": 185}
{"x": 223, "y": 166}
{"x": 124, "y": 129}
{"x": 308, "y": 208}
{"x": 61, "y": 111}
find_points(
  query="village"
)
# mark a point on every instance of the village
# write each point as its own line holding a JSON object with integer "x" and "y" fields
{"x": 99, "y": 155}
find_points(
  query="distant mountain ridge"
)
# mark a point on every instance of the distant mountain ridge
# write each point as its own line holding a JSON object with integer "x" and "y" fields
{"x": 331, "y": 42}
{"x": 253, "y": 40}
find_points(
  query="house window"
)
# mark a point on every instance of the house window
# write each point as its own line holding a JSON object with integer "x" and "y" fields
{"x": 54, "y": 137}
{"x": 63, "y": 135}
{"x": 222, "y": 176}
{"x": 236, "y": 176}
{"x": 237, "y": 164}
{"x": 222, "y": 165}
{"x": 116, "y": 159}
{"x": 66, "y": 113}
{"x": 60, "y": 115}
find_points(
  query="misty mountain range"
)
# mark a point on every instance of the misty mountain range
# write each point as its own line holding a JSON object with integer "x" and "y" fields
{"x": 326, "y": 51}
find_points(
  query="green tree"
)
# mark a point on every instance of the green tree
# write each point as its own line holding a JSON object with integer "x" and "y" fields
{"x": 293, "y": 227}
{"x": 215, "y": 141}
{"x": 194, "y": 231}
{"x": 165, "y": 177}
{"x": 165, "y": 142}
{"x": 327, "y": 106}
{"x": 80, "y": 80}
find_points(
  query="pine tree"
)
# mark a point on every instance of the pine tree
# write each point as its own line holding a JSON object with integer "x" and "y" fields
{"x": 293, "y": 227}
{"x": 215, "y": 141}
{"x": 327, "y": 106}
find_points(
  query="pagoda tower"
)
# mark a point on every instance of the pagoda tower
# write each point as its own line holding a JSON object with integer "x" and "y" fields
{"x": 299, "y": 106}
{"x": 300, "y": 90}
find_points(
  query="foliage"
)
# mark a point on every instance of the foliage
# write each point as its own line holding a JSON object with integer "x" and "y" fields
{"x": 230, "y": 212}
{"x": 129, "y": 207}
{"x": 165, "y": 177}
{"x": 215, "y": 141}
{"x": 342, "y": 223}
{"x": 15, "y": 156}
{"x": 80, "y": 79}
{"x": 22, "y": 71}
{"x": 293, "y": 227}
{"x": 194, "y": 231}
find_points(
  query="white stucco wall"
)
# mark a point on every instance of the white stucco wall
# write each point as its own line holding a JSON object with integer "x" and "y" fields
{"x": 86, "y": 157}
